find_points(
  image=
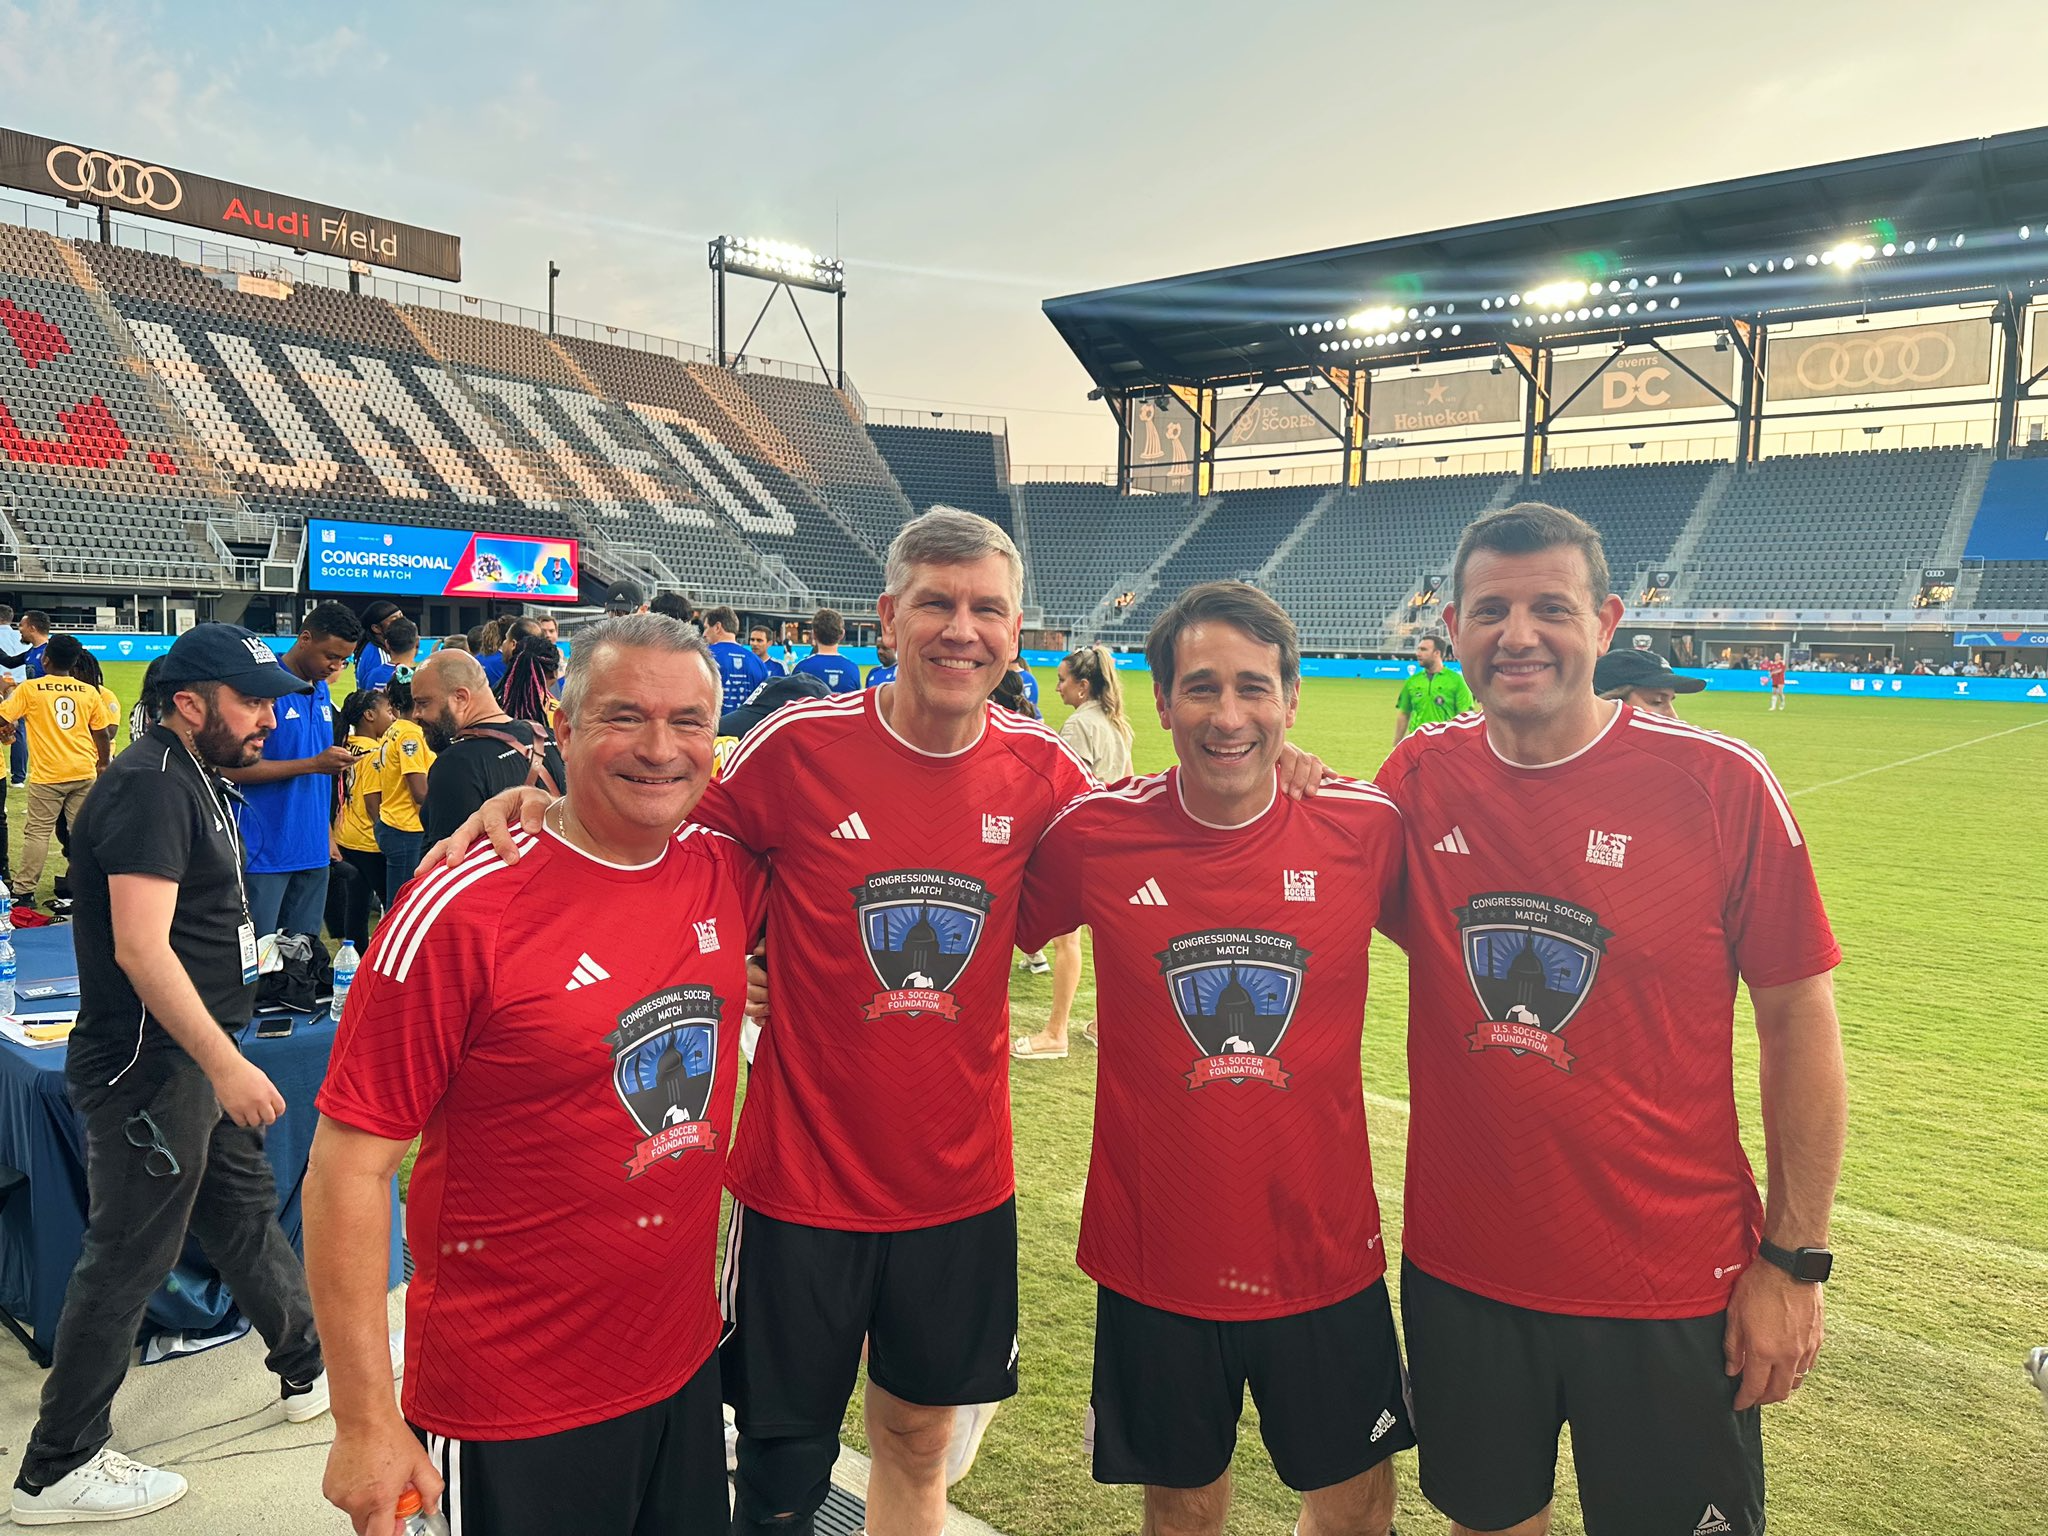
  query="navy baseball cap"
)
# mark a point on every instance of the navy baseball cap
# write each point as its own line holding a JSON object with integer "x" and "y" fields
{"x": 228, "y": 653}
{"x": 1640, "y": 669}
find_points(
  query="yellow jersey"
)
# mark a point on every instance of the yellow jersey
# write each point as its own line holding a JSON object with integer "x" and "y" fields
{"x": 62, "y": 714}
{"x": 354, "y": 829}
{"x": 113, "y": 712}
{"x": 404, "y": 751}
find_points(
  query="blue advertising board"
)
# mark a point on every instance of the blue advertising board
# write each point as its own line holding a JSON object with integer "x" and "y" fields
{"x": 393, "y": 558}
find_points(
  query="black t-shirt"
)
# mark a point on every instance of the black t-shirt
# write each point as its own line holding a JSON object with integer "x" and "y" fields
{"x": 152, "y": 813}
{"x": 474, "y": 768}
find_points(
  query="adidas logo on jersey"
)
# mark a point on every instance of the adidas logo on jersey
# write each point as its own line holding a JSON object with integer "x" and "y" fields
{"x": 1452, "y": 842}
{"x": 1149, "y": 895}
{"x": 1713, "y": 1520}
{"x": 1383, "y": 1423}
{"x": 586, "y": 974}
{"x": 853, "y": 829}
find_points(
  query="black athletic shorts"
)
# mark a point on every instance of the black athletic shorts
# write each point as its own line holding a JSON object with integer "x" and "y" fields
{"x": 657, "y": 1471}
{"x": 1169, "y": 1390}
{"x": 936, "y": 1307}
{"x": 1656, "y": 1439}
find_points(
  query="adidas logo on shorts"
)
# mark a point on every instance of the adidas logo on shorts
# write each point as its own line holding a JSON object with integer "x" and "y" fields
{"x": 1383, "y": 1423}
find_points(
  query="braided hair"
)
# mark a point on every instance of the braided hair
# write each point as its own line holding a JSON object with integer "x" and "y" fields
{"x": 527, "y": 691}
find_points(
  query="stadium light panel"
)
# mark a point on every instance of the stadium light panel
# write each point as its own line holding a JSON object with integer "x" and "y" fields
{"x": 1377, "y": 318}
{"x": 1567, "y": 291}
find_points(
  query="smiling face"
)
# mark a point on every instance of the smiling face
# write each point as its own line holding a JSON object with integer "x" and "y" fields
{"x": 1528, "y": 632}
{"x": 1229, "y": 712}
{"x": 638, "y": 753}
{"x": 954, "y": 629}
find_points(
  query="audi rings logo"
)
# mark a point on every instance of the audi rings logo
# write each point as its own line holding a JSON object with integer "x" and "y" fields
{"x": 95, "y": 176}
{"x": 1918, "y": 358}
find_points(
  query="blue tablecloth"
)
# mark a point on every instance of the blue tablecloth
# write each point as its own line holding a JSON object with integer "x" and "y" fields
{"x": 42, "y": 1227}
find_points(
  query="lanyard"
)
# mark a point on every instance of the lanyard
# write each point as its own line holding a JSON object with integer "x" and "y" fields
{"x": 227, "y": 816}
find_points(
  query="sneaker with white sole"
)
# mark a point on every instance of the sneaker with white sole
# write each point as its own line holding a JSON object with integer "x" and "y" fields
{"x": 970, "y": 1423}
{"x": 109, "y": 1487}
{"x": 2037, "y": 1370}
{"x": 306, "y": 1402}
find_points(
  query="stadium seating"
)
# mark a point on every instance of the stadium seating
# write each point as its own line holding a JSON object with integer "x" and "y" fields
{"x": 1239, "y": 536}
{"x": 1640, "y": 509}
{"x": 2021, "y": 584}
{"x": 99, "y": 481}
{"x": 1835, "y": 530}
{"x": 947, "y": 465}
{"x": 1083, "y": 538}
{"x": 1352, "y": 574}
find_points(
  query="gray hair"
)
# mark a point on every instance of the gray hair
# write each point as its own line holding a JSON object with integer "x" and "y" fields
{"x": 949, "y": 536}
{"x": 629, "y": 632}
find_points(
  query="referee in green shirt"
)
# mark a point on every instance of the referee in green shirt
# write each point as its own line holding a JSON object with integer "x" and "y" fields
{"x": 1435, "y": 693}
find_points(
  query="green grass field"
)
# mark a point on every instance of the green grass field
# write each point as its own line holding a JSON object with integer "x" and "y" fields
{"x": 1917, "y": 1418}
{"x": 1929, "y": 829}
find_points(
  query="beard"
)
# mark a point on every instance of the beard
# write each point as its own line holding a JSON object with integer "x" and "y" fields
{"x": 438, "y": 729}
{"x": 218, "y": 746}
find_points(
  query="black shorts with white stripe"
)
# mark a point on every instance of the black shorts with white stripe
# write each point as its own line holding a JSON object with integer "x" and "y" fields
{"x": 657, "y": 1471}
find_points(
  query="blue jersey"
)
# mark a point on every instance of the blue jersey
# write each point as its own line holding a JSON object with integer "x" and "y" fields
{"x": 1030, "y": 681}
{"x": 839, "y": 674}
{"x": 775, "y": 668}
{"x": 373, "y": 668}
{"x": 740, "y": 672}
{"x": 285, "y": 822}
{"x": 494, "y": 668}
{"x": 879, "y": 675}
{"x": 33, "y": 662}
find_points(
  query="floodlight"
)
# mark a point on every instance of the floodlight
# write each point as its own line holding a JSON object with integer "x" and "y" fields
{"x": 1909, "y": 247}
{"x": 780, "y": 261}
{"x": 1651, "y": 306}
{"x": 2026, "y": 233}
{"x": 1631, "y": 306}
{"x": 1649, "y": 282}
{"x": 1377, "y": 318}
{"x": 1456, "y": 329}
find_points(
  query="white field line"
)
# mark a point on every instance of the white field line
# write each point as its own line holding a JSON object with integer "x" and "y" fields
{"x": 1919, "y": 757}
{"x": 1889, "y": 1226}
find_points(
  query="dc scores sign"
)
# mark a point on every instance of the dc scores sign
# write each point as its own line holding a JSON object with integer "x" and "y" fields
{"x": 129, "y": 184}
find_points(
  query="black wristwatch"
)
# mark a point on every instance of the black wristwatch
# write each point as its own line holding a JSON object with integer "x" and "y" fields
{"x": 1813, "y": 1265}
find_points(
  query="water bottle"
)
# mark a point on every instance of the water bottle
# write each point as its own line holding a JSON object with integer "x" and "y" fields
{"x": 344, "y": 977}
{"x": 7, "y": 963}
{"x": 412, "y": 1521}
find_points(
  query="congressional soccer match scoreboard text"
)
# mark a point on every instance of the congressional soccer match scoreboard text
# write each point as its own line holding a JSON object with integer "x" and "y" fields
{"x": 440, "y": 562}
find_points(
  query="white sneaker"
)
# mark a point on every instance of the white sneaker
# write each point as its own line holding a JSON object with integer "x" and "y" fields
{"x": 109, "y": 1487}
{"x": 970, "y": 1423}
{"x": 309, "y": 1404}
{"x": 2037, "y": 1370}
{"x": 1039, "y": 964}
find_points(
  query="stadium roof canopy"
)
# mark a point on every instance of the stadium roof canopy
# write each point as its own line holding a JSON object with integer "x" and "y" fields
{"x": 1768, "y": 247}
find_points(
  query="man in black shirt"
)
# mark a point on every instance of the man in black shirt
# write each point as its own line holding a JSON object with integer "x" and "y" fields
{"x": 174, "y": 1113}
{"x": 480, "y": 749}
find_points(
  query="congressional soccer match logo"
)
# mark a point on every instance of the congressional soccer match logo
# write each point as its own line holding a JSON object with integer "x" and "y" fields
{"x": 919, "y": 928}
{"x": 1235, "y": 991}
{"x": 1531, "y": 961}
{"x": 664, "y": 1063}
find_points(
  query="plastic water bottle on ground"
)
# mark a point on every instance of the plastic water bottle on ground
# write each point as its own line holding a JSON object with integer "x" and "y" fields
{"x": 8, "y": 967}
{"x": 345, "y": 963}
{"x": 412, "y": 1521}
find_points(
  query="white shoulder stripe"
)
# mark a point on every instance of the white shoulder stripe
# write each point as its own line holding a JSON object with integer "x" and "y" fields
{"x": 398, "y": 936}
{"x": 399, "y": 966}
{"x": 802, "y": 710}
{"x": 1019, "y": 725}
{"x": 1133, "y": 792}
{"x": 1740, "y": 749}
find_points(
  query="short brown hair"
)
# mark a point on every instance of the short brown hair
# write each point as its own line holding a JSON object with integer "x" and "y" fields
{"x": 724, "y": 618}
{"x": 1223, "y": 602}
{"x": 828, "y": 626}
{"x": 1525, "y": 528}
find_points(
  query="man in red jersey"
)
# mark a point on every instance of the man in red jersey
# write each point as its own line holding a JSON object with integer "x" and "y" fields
{"x": 1582, "y": 1237}
{"x": 569, "y": 1066}
{"x": 1774, "y": 670}
{"x": 1230, "y": 1221}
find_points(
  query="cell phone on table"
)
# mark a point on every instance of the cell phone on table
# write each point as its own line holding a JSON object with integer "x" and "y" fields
{"x": 276, "y": 1026}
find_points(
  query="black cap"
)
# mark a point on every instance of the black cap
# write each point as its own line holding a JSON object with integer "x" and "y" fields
{"x": 1640, "y": 669}
{"x": 624, "y": 597}
{"x": 770, "y": 697}
{"x": 228, "y": 653}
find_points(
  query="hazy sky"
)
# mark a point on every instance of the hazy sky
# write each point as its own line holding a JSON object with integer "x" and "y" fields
{"x": 974, "y": 159}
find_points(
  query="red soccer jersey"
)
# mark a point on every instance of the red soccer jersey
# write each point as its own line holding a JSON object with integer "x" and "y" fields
{"x": 1230, "y": 1176}
{"x": 1775, "y": 666}
{"x": 1574, "y": 934}
{"x": 879, "y": 1098}
{"x": 561, "y": 1033}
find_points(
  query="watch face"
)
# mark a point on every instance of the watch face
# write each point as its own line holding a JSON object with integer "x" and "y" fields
{"x": 1814, "y": 1264}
